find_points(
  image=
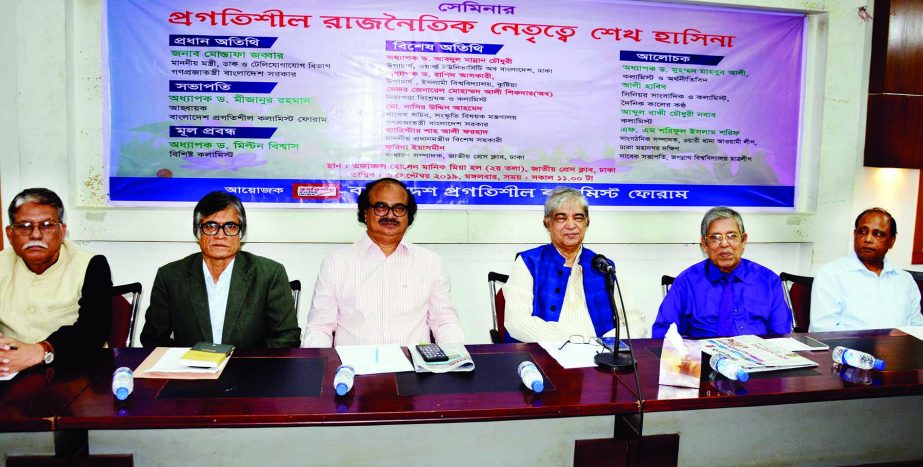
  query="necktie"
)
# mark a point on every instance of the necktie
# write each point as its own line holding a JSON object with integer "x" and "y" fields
{"x": 726, "y": 310}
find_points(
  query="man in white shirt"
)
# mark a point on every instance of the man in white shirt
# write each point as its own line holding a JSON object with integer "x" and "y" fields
{"x": 382, "y": 289}
{"x": 864, "y": 290}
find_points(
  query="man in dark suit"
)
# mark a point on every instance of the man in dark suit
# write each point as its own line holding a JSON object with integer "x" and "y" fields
{"x": 222, "y": 294}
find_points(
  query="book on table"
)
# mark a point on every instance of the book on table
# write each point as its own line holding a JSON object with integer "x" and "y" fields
{"x": 206, "y": 355}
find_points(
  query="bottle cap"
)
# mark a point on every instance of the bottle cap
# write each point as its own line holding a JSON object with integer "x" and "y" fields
{"x": 121, "y": 394}
{"x": 879, "y": 364}
{"x": 342, "y": 389}
{"x": 742, "y": 375}
{"x": 538, "y": 386}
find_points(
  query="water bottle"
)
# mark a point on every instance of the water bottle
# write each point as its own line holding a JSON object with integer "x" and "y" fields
{"x": 343, "y": 380}
{"x": 530, "y": 376}
{"x": 123, "y": 383}
{"x": 728, "y": 367}
{"x": 857, "y": 359}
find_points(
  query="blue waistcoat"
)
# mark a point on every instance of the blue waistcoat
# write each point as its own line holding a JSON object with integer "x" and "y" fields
{"x": 549, "y": 282}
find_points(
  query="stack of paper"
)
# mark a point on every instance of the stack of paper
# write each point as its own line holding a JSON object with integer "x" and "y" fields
{"x": 164, "y": 362}
{"x": 754, "y": 354}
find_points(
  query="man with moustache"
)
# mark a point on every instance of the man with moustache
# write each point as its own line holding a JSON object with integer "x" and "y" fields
{"x": 55, "y": 301}
{"x": 222, "y": 294}
{"x": 382, "y": 289}
{"x": 724, "y": 295}
{"x": 864, "y": 290}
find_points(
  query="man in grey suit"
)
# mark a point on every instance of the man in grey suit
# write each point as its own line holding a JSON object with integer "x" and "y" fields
{"x": 222, "y": 294}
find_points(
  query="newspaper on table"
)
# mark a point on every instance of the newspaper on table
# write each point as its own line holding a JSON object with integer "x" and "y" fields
{"x": 755, "y": 354}
{"x": 459, "y": 360}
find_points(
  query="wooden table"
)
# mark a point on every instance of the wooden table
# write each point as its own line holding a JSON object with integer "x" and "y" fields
{"x": 374, "y": 422}
{"x": 810, "y": 416}
{"x": 819, "y": 416}
{"x": 31, "y": 402}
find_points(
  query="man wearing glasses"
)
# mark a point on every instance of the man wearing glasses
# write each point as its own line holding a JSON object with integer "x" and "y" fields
{"x": 221, "y": 294}
{"x": 864, "y": 290}
{"x": 724, "y": 295}
{"x": 54, "y": 294}
{"x": 382, "y": 289}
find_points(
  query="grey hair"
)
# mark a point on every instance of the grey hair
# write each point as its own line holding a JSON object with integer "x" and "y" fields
{"x": 721, "y": 212}
{"x": 214, "y": 202}
{"x": 42, "y": 196}
{"x": 561, "y": 195}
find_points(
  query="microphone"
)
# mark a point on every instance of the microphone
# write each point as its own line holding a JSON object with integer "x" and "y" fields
{"x": 612, "y": 359}
{"x": 601, "y": 264}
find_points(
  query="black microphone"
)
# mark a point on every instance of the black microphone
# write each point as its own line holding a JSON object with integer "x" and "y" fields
{"x": 601, "y": 264}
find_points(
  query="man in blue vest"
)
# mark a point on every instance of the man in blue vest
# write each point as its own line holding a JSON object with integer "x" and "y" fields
{"x": 553, "y": 292}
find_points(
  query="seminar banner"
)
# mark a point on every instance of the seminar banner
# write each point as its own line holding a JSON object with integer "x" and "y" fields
{"x": 470, "y": 103}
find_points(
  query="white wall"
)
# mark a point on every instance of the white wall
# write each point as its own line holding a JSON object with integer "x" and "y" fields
{"x": 51, "y": 131}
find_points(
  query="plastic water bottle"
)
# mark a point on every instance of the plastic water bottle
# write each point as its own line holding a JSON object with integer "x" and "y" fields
{"x": 123, "y": 383}
{"x": 530, "y": 376}
{"x": 728, "y": 367}
{"x": 857, "y": 359}
{"x": 343, "y": 380}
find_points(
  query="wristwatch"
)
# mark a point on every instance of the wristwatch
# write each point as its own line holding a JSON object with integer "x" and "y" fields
{"x": 48, "y": 357}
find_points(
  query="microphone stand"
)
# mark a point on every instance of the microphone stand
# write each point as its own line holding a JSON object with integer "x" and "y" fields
{"x": 613, "y": 360}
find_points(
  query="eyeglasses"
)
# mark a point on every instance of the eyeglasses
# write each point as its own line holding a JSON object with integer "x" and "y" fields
{"x": 561, "y": 218}
{"x": 382, "y": 209}
{"x": 732, "y": 238}
{"x": 231, "y": 229}
{"x": 878, "y": 234}
{"x": 575, "y": 339}
{"x": 24, "y": 229}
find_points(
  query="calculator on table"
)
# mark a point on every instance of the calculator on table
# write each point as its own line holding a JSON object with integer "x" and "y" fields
{"x": 432, "y": 353}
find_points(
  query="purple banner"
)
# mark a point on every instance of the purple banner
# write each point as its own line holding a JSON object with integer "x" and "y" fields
{"x": 650, "y": 100}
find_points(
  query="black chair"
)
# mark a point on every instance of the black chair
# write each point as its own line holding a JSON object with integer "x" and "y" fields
{"x": 124, "y": 311}
{"x": 498, "y": 304}
{"x": 799, "y": 299}
{"x": 296, "y": 292}
{"x": 665, "y": 283}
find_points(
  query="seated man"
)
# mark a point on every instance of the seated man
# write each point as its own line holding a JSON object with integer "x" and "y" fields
{"x": 55, "y": 300}
{"x": 724, "y": 295}
{"x": 553, "y": 291}
{"x": 222, "y": 294}
{"x": 382, "y": 289}
{"x": 864, "y": 290}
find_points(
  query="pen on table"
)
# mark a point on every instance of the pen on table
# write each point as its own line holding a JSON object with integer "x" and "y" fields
{"x": 376, "y": 354}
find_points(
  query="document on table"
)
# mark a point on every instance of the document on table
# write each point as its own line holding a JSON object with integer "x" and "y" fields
{"x": 915, "y": 331}
{"x": 572, "y": 355}
{"x": 789, "y": 344}
{"x": 374, "y": 359}
{"x": 163, "y": 362}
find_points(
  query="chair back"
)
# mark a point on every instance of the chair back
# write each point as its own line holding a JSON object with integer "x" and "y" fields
{"x": 126, "y": 299}
{"x": 918, "y": 278}
{"x": 665, "y": 283}
{"x": 498, "y": 304}
{"x": 799, "y": 299}
{"x": 296, "y": 292}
